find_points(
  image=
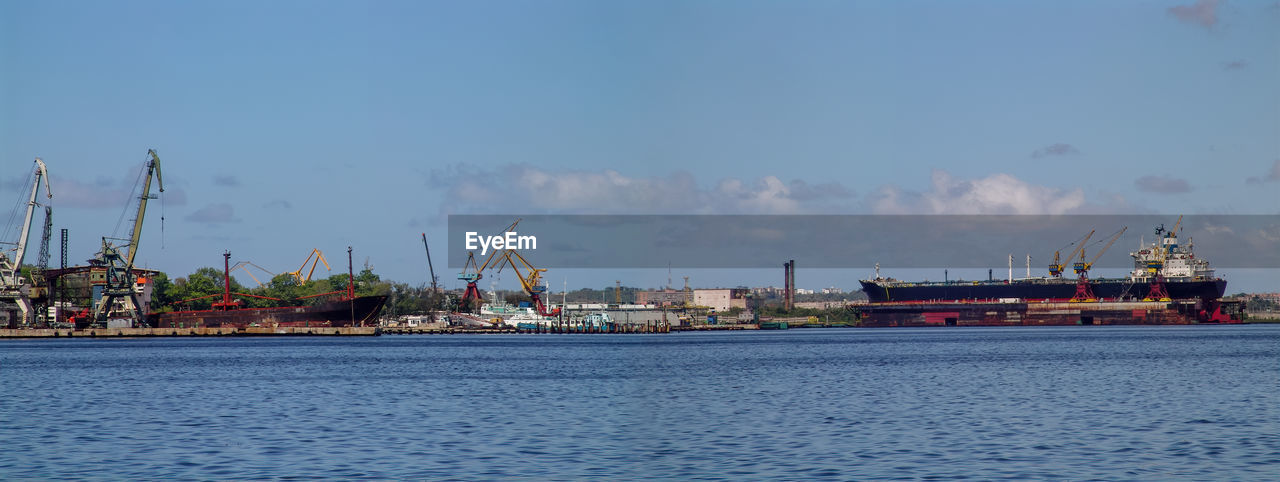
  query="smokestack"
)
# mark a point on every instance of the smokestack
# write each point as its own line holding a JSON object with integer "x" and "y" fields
{"x": 791, "y": 294}
{"x": 786, "y": 283}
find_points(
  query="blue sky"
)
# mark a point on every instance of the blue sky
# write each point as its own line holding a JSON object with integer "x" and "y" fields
{"x": 290, "y": 125}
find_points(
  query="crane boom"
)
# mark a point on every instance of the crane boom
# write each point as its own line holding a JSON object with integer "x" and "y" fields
{"x": 531, "y": 282}
{"x": 315, "y": 258}
{"x": 429, "y": 266}
{"x": 1108, "y": 246}
{"x": 153, "y": 168}
{"x": 12, "y": 267}
{"x": 1058, "y": 267}
{"x": 244, "y": 266}
{"x": 472, "y": 272}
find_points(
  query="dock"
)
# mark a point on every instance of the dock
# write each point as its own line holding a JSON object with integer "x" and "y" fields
{"x": 190, "y": 332}
{"x": 1024, "y": 313}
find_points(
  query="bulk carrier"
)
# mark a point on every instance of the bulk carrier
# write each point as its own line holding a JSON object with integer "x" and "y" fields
{"x": 1168, "y": 285}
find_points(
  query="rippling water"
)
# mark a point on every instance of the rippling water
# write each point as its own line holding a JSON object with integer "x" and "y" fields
{"x": 1194, "y": 402}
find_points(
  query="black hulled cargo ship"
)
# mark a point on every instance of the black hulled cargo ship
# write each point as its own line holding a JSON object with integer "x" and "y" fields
{"x": 1164, "y": 270}
{"x": 1035, "y": 289}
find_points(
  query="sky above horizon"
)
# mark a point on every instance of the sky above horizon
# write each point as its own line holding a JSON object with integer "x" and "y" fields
{"x": 284, "y": 126}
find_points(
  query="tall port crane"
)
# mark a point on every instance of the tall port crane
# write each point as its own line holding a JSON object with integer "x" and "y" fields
{"x": 1056, "y": 268}
{"x": 430, "y": 267}
{"x": 1084, "y": 291}
{"x": 472, "y": 272}
{"x": 315, "y": 257}
{"x": 12, "y": 287}
{"x": 119, "y": 300}
{"x": 530, "y": 279}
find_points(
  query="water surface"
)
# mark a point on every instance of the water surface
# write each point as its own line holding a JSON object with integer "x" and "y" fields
{"x": 1192, "y": 402}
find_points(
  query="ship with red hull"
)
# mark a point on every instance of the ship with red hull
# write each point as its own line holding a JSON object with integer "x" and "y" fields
{"x": 343, "y": 310}
{"x": 358, "y": 311}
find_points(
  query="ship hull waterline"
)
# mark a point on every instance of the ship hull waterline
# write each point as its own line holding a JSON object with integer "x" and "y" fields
{"x": 359, "y": 311}
{"x": 1107, "y": 289}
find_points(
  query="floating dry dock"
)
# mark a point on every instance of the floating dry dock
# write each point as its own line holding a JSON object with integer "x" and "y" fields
{"x": 1024, "y": 313}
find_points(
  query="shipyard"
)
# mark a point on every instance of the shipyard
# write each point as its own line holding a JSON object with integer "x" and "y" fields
{"x": 680, "y": 240}
{"x": 111, "y": 296}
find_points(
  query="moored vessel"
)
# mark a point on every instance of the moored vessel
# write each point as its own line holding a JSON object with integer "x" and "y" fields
{"x": 1164, "y": 270}
{"x": 345, "y": 309}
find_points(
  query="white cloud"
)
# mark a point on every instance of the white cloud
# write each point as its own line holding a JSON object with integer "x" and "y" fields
{"x": 532, "y": 190}
{"x": 994, "y": 194}
{"x": 525, "y": 188}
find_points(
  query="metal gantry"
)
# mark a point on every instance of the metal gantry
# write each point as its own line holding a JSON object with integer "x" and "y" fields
{"x": 14, "y": 289}
{"x": 119, "y": 299}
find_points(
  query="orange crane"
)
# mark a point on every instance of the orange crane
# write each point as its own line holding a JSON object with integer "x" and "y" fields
{"x": 1084, "y": 291}
{"x": 530, "y": 280}
{"x": 315, "y": 258}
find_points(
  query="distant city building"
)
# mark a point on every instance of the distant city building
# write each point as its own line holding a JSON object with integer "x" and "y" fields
{"x": 767, "y": 291}
{"x": 721, "y": 299}
{"x": 666, "y": 297}
{"x": 1268, "y": 296}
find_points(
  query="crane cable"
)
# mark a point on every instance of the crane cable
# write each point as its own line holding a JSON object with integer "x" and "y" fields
{"x": 115, "y": 233}
{"x": 162, "y": 220}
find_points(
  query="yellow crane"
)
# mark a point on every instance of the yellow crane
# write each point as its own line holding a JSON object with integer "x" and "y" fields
{"x": 1084, "y": 291}
{"x": 530, "y": 279}
{"x": 244, "y": 266}
{"x": 1082, "y": 268}
{"x": 1058, "y": 267}
{"x": 472, "y": 272}
{"x": 315, "y": 258}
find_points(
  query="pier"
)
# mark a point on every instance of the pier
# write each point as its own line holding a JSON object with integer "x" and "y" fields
{"x": 190, "y": 332}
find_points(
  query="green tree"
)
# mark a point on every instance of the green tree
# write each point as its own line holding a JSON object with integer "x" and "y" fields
{"x": 162, "y": 291}
{"x": 284, "y": 287}
{"x": 202, "y": 283}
